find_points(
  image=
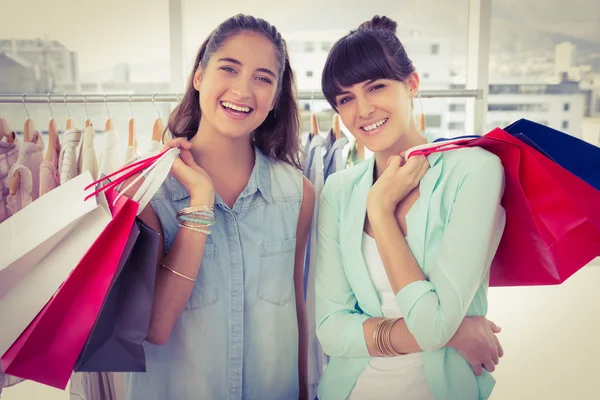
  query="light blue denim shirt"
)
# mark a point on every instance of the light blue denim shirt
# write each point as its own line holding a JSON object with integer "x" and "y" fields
{"x": 238, "y": 335}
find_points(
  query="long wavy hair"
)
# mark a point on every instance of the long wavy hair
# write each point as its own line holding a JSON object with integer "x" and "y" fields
{"x": 277, "y": 137}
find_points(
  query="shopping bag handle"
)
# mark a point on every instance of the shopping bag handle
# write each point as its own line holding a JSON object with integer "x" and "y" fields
{"x": 440, "y": 146}
{"x": 128, "y": 171}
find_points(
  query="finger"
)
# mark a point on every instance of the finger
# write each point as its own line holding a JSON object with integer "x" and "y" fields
{"x": 179, "y": 142}
{"x": 424, "y": 169}
{"x": 495, "y": 328}
{"x": 415, "y": 164}
{"x": 393, "y": 163}
{"x": 495, "y": 360}
{"x": 489, "y": 365}
{"x": 187, "y": 158}
{"x": 477, "y": 369}
{"x": 500, "y": 350}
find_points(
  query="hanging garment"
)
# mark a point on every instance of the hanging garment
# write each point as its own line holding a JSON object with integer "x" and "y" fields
{"x": 49, "y": 176}
{"x": 97, "y": 386}
{"x": 110, "y": 154}
{"x": 313, "y": 170}
{"x": 9, "y": 153}
{"x": 28, "y": 164}
{"x": 87, "y": 159}
{"x": 131, "y": 154}
{"x": 67, "y": 162}
{"x": 155, "y": 146}
{"x": 334, "y": 158}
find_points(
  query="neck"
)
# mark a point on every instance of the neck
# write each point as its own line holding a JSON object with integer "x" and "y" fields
{"x": 212, "y": 150}
{"x": 409, "y": 139}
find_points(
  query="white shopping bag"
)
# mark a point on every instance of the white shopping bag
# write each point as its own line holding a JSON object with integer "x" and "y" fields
{"x": 29, "y": 235}
{"x": 29, "y": 296}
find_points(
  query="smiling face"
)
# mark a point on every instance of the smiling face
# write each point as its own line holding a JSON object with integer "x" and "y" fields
{"x": 238, "y": 86}
{"x": 378, "y": 113}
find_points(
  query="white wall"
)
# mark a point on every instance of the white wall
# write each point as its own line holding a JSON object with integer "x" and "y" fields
{"x": 550, "y": 338}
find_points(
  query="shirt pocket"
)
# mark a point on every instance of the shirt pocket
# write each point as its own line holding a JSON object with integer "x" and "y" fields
{"x": 276, "y": 276}
{"x": 206, "y": 287}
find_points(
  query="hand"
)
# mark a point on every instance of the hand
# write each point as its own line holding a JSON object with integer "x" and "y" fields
{"x": 396, "y": 182}
{"x": 476, "y": 341}
{"x": 192, "y": 177}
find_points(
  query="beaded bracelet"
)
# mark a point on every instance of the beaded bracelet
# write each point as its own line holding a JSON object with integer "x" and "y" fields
{"x": 197, "y": 218}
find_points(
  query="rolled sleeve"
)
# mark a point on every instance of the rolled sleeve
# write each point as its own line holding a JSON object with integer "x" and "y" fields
{"x": 434, "y": 309}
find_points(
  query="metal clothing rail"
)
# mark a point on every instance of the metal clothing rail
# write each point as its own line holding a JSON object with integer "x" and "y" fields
{"x": 91, "y": 98}
{"x": 84, "y": 98}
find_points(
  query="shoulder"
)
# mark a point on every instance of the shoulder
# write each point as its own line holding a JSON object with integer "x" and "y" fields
{"x": 344, "y": 180}
{"x": 473, "y": 161}
{"x": 286, "y": 180}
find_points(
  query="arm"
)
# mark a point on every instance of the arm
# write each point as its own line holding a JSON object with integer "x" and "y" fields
{"x": 343, "y": 331}
{"x": 434, "y": 309}
{"x": 304, "y": 222}
{"x": 171, "y": 292}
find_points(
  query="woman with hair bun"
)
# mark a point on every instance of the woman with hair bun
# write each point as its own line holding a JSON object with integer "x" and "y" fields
{"x": 404, "y": 246}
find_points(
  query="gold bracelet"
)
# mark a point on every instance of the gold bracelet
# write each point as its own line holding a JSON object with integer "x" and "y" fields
{"x": 382, "y": 337}
{"x": 178, "y": 273}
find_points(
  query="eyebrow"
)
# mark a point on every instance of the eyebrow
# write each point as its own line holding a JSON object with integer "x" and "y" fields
{"x": 344, "y": 92}
{"x": 237, "y": 62}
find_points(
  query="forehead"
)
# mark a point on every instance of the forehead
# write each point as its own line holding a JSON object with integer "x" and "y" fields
{"x": 252, "y": 49}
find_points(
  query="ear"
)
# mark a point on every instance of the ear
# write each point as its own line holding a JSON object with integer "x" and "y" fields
{"x": 413, "y": 83}
{"x": 198, "y": 78}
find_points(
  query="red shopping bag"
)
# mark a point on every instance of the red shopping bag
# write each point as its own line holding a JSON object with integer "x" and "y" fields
{"x": 551, "y": 229}
{"x": 47, "y": 350}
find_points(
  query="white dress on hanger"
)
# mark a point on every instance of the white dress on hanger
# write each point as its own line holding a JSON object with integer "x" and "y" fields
{"x": 68, "y": 160}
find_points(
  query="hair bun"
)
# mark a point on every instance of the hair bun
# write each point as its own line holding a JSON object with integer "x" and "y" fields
{"x": 379, "y": 23}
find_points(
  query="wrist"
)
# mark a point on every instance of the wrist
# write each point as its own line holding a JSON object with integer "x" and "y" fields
{"x": 205, "y": 198}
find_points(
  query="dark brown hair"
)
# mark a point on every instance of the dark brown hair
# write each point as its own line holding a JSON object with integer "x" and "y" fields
{"x": 277, "y": 136}
{"x": 373, "y": 51}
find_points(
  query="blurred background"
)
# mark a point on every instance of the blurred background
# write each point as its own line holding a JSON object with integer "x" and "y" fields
{"x": 482, "y": 64}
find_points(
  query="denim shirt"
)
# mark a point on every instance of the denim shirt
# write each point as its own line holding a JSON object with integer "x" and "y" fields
{"x": 237, "y": 337}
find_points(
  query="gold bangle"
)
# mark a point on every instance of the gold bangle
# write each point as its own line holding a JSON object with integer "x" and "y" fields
{"x": 382, "y": 337}
{"x": 178, "y": 273}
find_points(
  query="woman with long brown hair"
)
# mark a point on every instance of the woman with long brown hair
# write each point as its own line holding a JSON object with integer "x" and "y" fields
{"x": 228, "y": 319}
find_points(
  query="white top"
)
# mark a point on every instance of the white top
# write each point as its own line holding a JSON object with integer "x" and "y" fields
{"x": 67, "y": 163}
{"x": 110, "y": 155}
{"x": 389, "y": 378}
{"x": 87, "y": 158}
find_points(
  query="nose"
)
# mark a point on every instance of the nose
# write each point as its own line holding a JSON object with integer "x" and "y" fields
{"x": 365, "y": 107}
{"x": 241, "y": 88}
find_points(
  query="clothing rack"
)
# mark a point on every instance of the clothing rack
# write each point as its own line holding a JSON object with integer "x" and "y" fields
{"x": 84, "y": 98}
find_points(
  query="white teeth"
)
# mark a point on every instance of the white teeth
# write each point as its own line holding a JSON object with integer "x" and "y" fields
{"x": 234, "y": 107}
{"x": 375, "y": 125}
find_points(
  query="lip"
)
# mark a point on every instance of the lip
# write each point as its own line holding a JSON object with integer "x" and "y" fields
{"x": 376, "y": 130}
{"x": 235, "y": 115}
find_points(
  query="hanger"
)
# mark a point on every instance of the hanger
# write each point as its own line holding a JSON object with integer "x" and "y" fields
{"x": 314, "y": 122}
{"x": 421, "y": 116}
{"x": 131, "y": 128}
{"x": 29, "y": 127}
{"x": 159, "y": 127}
{"x": 88, "y": 122}
{"x": 28, "y": 131}
{"x": 6, "y": 132}
{"x": 108, "y": 125}
{"x": 336, "y": 127}
{"x": 52, "y": 135}
{"x": 69, "y": 123}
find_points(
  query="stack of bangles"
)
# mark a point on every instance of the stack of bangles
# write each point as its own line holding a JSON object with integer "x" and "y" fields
{"x": 197, "y": 219}
{"x": 382, "y": 337}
